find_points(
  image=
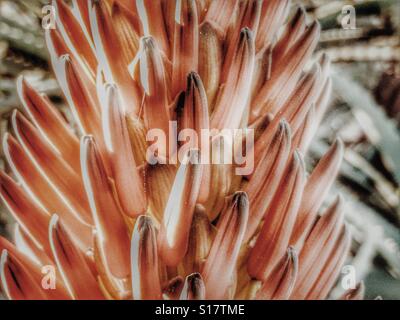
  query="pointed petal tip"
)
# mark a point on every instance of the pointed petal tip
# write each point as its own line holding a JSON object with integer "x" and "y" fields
{"x": 339, "y": 202}
{"x": 300, "y": 9}
{"x": 21, "y": 83}
{"x": 4, "y": 178}
{"x": 192, "y": 157}
{"x": 144, "y": 260}
{"x": 195, "y": 281}
{"x": 5, "y": 144}
{"x": 315, "y": 26}
{"x": 299, "y": 16}
{"x": 148, "y": 42}
{"x": 298, "y": 159}
{"x": 87, "y": 139}
{"x": 324, "y": 59}
{"x": 247, "y": 32}
{"x": 85, "y": 142}
{"x": 292, "y": 253}
{"x": 339, "y": 144}
{"x": 15, "y": 116}
{"x": 313, "y": 31}
{"x": 194, "y": 288}
{"x": 355, "y": 294}
{"x": 241, "y": 199}
{"x": 207, "y": 28}
{"x": 285, "y": 128}
{"x": 53, "y": 221}
{"x": 193, "y": 78}
{"x": 247, "y": 37}
{"x": 65, "y": 59}
{"x": 3, "y": 281}
{"x": 338, "y": 149}
{"x": 3, "y": 258}
{"x": 315, "y": 70}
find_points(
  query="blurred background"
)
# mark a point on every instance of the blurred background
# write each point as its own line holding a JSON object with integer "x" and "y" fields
{"x": 364, "y": 112}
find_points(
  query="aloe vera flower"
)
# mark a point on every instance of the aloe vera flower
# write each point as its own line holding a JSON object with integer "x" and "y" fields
{"x": 87, "y": 202}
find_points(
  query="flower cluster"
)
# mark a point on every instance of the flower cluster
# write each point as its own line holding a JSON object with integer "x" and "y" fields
{"x": 87, "y": 202}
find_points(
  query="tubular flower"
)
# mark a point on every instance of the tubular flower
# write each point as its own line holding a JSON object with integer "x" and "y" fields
{"x": 90, "y": 204}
